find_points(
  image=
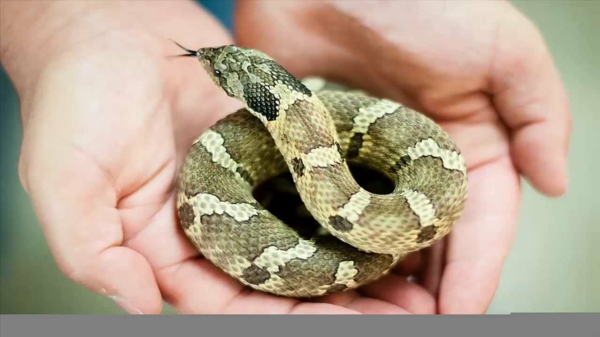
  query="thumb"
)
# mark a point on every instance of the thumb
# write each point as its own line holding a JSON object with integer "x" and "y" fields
{"x": 531, "y": 100}
{"x": 75, "y": 204}
{"x": 75, "y": 199}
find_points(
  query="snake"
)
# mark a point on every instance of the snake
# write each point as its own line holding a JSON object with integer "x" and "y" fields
{"x": 314, "y": 130}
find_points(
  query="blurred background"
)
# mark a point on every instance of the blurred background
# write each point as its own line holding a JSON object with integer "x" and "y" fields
{"x": 554, "y": 265}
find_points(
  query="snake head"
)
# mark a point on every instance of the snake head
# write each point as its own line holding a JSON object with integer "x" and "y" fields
{"x": 227, "y": 67}
{"x": 250, "y": 76}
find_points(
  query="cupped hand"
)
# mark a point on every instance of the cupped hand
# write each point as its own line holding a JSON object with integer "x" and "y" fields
{"x": 482, "y": 71}
{"x": 108, "y": 117}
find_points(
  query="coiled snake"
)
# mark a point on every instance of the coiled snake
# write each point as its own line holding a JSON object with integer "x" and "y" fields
{"x": 313, "y": 134}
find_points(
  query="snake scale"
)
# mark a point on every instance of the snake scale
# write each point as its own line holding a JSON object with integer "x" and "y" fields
{"x": 313, "y": 131}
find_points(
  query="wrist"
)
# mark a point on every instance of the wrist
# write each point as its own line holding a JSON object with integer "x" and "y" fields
{"x": 17, "y": 37}
{"x": 39, "y": 35}
{"x": 34, "y": 33}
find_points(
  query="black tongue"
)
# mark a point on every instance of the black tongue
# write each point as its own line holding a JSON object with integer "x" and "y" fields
{"x": 190, "y": 53}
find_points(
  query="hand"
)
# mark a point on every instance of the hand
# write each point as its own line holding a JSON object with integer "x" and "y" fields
{"x": 108, "y": 118}
{"x": 478, "y": 68}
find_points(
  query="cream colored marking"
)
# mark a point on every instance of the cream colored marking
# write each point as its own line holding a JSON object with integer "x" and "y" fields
{"x": 421, "y": 205}
{"x": 208, "y": 204}
{"x": 357, "y": 204}
{"x": 213, "y": 143}
{"x": 368, "y": 115}
{"x": 321, "y": 157}
{"x": 258, "y": 115}
{"x": 345, "y": 274}
{"x": 274, "y": 282}
{"x": 272, "y": 257}
{"x": 279, "y": 284}
{"x": 314, "y": 83}
{"x": 181, "y": 199}
{"x": 286, "y": 96}
{"x": 451, "y": 160}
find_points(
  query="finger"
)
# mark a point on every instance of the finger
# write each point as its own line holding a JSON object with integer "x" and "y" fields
{"x": 401, "y": 293}
{"x": 529, "y": 96}
{"x": 432, "y": 274}
{"x": 74, "y": 201}
{"x": 254, "y": 302}
{"x": 307, "y": 308}
{"x": 196, "y": 286}
{"x": 371, "y": 306}
{"x": 353, "y": 300}
{"x": 411, "y": 265}
{"x": 480, "y": 242}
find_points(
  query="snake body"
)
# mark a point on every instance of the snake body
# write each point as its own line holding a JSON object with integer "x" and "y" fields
{"x": 314, "y": 131}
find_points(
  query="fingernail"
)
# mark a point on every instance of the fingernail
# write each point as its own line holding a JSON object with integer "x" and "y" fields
{"x": 125, "y": 305}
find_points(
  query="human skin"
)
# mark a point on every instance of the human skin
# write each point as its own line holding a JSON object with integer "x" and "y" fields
{"x": 108, "y": 118}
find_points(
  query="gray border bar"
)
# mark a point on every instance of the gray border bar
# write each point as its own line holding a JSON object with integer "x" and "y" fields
{"x": 365, "y": 326}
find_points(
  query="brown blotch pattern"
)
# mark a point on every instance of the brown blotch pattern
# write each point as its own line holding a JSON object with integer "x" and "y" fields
{"x": 247, "y": 238}
{"x": 322, "y": 267}
{"x": 186, "y": 215}
{"x": 369, "y": 267}
{"x": 304, "y": 127}
{"x": 336, "y": 288}
{"x": 298, "y": 166}
{"x": 245, "y": 175}
{"x": 356, "y": 143}
{"x": 402, "y": 162}
{"x": 255, "y": 275}
{"x": 426, "y": 234}
{"x": 339, "y": 149}
{"x": 340, "y": 224}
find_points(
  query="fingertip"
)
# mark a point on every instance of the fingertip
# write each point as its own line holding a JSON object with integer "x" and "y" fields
{"x": 124, "y": 276}
{"x": 402, "y": 293}
{"x": 481, "y": 240}
{"x": 196, "y": 286}
{"x": 542, "y": 164}
{"x": 476, "y": 298}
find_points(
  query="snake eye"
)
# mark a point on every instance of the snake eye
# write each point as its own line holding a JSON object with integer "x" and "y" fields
{"x": 217, "y": 72}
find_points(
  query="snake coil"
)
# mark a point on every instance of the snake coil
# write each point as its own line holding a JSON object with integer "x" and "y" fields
{"x": 314, "y": 131}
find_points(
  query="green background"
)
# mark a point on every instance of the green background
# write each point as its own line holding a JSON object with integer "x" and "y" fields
{"x": 554, "y": 265}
